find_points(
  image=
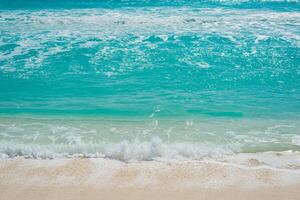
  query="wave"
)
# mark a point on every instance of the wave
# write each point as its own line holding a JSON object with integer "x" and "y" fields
{"x": 155, "y": 150}
{"x": 123, "y": 151}
{"x": 134, "y": 150}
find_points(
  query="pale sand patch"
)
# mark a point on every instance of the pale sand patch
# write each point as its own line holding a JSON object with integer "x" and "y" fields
{"x": 83, "y": 178}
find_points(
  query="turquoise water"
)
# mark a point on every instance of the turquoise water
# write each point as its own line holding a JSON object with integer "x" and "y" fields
{"x": 143, "y": 79}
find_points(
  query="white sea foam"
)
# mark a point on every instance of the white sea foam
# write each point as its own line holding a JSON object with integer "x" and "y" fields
{"x": 158, "y": 151}
{"x": 124, "y": 150}
{"x": 144, "y": 140}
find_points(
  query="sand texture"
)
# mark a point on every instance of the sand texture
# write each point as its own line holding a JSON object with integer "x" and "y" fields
{"x": 87, "y": 178}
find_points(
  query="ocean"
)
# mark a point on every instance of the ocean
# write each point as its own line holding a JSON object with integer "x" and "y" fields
{"x": 144, "y": 79}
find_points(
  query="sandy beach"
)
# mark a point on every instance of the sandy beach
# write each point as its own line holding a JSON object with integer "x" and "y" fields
{"x": 98, "y": 178}
{"x": 149, "y": 99}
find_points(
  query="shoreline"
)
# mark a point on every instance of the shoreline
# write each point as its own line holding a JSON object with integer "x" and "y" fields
{"x": 98, "y": 178}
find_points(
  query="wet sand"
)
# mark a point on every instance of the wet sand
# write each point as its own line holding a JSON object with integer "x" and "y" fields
{"x": 97, "y": 178}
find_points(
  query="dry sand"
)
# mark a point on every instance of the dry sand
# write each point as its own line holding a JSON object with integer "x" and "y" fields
{"x": 87, "y": 178}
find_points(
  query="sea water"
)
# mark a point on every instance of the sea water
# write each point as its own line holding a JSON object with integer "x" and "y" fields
{"x": 143, "y": 79}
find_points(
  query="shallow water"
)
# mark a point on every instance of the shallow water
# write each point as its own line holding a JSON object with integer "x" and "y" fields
{"x": 145, "y": 79}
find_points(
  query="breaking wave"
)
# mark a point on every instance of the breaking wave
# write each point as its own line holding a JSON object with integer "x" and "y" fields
{"x": 124, "y": 151}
